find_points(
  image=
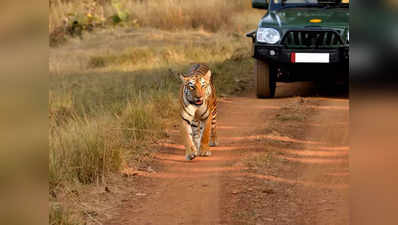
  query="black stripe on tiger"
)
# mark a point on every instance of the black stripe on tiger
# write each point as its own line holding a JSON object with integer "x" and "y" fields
{"x": 198, "y": 69}
{"x": 207, "y": 110}
{"x": 205, "y": 117}
{"x": 186, "y": 111}
{"x": 184, "y": 106}
{"x": 186, "y": 121}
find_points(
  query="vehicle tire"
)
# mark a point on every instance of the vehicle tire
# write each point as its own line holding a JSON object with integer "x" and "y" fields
{"x": 266, "y": 80}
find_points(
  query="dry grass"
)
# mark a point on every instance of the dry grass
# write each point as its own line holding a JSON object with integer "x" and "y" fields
{"x": 60, "y": 216}
{"x": 97, "y": 118}
{"x": 122, "y": 49}
{"x": 210, "y": 15}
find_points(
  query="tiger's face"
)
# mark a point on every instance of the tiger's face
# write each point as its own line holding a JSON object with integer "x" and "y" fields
{"x": 195, "y": 88}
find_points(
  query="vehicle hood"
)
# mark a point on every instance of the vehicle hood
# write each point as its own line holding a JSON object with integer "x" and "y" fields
{"x": 300, "y": 18}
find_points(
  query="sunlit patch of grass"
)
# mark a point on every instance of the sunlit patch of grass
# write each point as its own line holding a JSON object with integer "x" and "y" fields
{"x": 172, "y": 55}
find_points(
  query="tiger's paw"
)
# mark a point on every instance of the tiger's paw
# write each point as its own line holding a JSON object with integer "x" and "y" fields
{"x": 190, "y": 156}
{"x": 205, "y": 154}
{"x": 213, "y": 143}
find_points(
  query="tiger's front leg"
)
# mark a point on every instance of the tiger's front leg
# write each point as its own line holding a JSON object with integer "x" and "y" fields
{"x": 213, "y": 133}
{"x": 196, "y": 133}
{"x": 187, "y": 133}
{"x": 205, "y": 139}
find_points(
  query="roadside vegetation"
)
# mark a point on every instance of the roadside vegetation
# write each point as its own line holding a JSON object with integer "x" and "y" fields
{"x": 114, "y": 89}
{"x": 72, "y": 17}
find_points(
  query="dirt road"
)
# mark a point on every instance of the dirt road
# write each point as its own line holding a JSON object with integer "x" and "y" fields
{"x": 279, "y": 161}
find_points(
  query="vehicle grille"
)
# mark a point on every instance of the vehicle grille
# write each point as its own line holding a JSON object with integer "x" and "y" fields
{"x": 312, "y": 39}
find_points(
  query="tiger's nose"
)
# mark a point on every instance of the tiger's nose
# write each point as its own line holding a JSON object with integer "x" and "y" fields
{"x": 198, "y": 95}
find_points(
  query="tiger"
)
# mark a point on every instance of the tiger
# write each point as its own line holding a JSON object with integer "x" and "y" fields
{"x": 198, "y": 111}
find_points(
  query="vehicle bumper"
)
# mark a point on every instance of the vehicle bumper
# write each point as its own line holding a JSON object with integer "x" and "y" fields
{"x": 279, "y": 54}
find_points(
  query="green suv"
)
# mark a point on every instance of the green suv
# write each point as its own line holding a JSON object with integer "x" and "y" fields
{"x": 299, "y": 40}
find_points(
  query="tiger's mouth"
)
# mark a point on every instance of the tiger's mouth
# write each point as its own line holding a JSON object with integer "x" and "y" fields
{"x": 198, "y": 102}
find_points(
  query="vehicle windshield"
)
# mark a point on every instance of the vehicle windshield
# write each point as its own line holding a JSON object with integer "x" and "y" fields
{"x": 311, "y": 3}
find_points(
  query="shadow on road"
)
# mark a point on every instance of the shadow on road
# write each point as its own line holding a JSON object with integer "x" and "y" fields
{"x": 312, "y": 89}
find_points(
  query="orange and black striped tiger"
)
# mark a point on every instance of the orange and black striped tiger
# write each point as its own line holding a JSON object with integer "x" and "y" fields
{"x": 198, "y": 111}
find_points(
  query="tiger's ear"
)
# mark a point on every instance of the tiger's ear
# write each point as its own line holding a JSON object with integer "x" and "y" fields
{"x": 182, "y": 77}
{"x": 207, "y": 76}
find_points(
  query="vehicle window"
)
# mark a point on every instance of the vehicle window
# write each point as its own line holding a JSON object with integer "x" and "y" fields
{"x": 301, "y": 1}
{"x": 311, "y": 1}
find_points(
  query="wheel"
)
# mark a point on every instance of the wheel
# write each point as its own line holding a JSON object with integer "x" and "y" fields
{"x": 266, "y": 80}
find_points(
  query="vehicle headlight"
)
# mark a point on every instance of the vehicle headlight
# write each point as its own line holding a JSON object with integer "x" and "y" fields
{"x": 268, "y": 35}
{"x": 348, "y": 36}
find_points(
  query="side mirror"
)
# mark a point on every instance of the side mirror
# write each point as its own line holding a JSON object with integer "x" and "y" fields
{"x": 260, "y": 4}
